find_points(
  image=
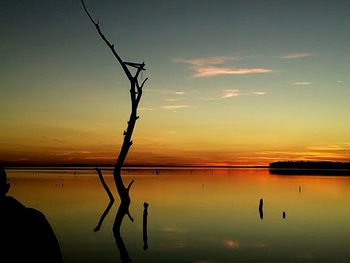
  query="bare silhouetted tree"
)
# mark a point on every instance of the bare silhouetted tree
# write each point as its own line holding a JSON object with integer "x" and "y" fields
{"x": 135, "y": 96}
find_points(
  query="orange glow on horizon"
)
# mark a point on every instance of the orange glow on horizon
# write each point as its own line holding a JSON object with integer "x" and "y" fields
{"x": 167, "y": 157}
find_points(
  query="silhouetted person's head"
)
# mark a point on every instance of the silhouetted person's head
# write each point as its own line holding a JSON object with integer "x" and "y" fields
{"x": 4, "y": 185}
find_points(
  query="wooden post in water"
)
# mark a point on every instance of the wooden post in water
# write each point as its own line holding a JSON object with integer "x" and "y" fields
{"x": 261, "y": 208}
{"x": 145, "y": 215}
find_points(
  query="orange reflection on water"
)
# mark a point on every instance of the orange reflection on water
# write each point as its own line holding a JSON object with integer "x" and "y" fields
{"x": 232, "y": 244}
{"x": 211, "y": 210}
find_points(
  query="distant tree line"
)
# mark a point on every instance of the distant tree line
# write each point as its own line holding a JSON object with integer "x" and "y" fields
{"x": 309, "y": 165}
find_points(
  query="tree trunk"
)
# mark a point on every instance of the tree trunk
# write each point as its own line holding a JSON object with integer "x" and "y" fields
{"x": 135, "y": 96}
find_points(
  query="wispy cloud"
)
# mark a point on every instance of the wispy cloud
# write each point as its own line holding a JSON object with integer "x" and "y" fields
{"x": 173, "y": 99}
{"x": 204, "y": 67}
{"x": 52, "y": 140}
{"x": 146, "y": 109}
{"x": 259, "y": 93}
{"x": 333, "y": 152}
{"x": 344, "y": 147}
{"x": 172, "y": 95}
{"x": 166, "y": 91}
{"x": 231, "y": 93}
{"x": 175, "y": 107}
{"x": 217, "y": 71}
{"x": 206, "y": 61}
{"x": 302, "y": 83}
{"x": 72, "y": 152}
{"x": 296, "y": 55}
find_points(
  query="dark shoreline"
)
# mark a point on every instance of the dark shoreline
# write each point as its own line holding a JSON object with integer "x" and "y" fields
{"x": 328, "y": 172}
{"x": 309, "y": 168}
{"x": 310, "y": 165}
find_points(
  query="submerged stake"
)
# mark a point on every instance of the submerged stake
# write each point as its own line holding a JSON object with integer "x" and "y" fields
{"x": 261, "y": 209}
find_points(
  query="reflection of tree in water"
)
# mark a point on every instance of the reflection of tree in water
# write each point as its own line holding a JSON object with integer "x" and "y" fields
{"x": 110, "y": 204}
{"x": 123, "y": 191}
{"x": 121, "y": 213}
{"x": 104, "y": 214}
{"x": 123, "y": 210}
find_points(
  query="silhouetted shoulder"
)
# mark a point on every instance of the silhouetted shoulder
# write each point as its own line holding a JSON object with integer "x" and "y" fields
{"x": 44, "y": 238}
{"x": 8, "y": 204}
{"x": 26, "y": 234}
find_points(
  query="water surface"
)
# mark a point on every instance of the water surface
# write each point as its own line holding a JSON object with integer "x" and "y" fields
{"x": 195, "y": 215}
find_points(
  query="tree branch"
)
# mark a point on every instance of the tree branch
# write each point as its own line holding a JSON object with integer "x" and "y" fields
{"x": 111, "y": 46}
{"x": 139, "y": 91}
{"x": 139, "y": 69}
{"x": 135, "y": 65}
{"x": 143, "y": 82}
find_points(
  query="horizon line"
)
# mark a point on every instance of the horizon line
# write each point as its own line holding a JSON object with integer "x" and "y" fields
{"x": 128, "y": 166}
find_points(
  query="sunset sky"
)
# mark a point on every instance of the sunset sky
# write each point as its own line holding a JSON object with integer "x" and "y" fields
{"x": 230, "y": 82}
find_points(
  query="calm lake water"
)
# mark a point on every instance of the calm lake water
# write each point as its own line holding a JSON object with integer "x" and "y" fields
{"x": 197, "y": 216}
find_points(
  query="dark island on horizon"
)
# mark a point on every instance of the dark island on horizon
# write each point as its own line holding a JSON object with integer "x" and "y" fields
{"x": 309, "y": 168}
